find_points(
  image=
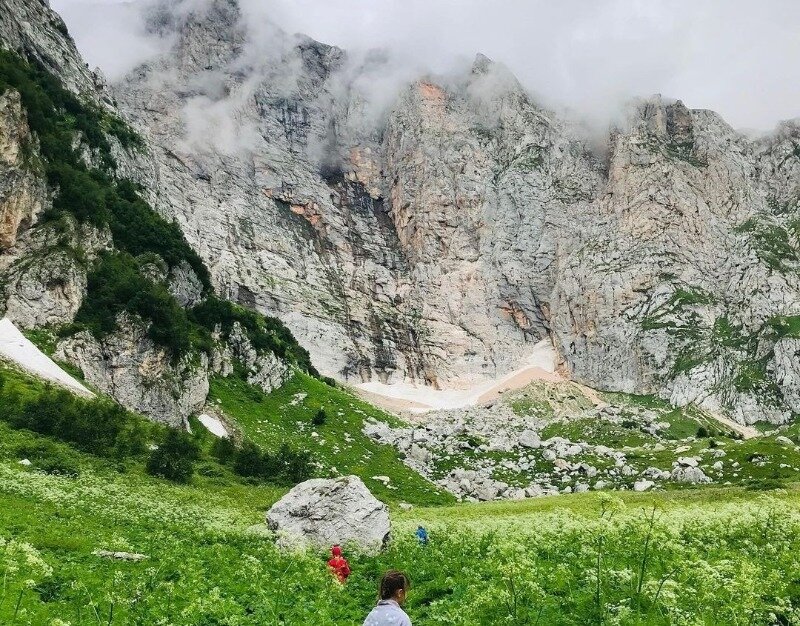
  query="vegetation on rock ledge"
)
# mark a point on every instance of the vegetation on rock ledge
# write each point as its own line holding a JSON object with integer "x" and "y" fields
{"x": 68, "y": 130}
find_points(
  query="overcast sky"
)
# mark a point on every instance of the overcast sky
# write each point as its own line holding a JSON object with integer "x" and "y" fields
{"x": 738, "y": 57}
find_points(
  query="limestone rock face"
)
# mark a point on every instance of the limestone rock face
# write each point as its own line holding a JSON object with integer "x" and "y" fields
{"x": 281, "y": 230}
{"x": 389, "y": 253}
{"x": 436, "y": 234}
{"x": 31, "y": 28}
{"x": 44, "y": 264}
{"x": 141, "y": 376}
{"x": 683, "y": 284}
{"x": 22, "y": 194}
{"x": 184, "y": 284}
{"x": 264, "y": 370}
{"x": 44, "y": 274}
{"x": 323, "y": 512}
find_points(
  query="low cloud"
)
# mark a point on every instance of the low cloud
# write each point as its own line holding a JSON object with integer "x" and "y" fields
{"x": 734, "y": 56}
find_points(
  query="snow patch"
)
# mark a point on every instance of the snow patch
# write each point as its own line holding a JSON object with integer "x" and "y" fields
{"x": 214, "y": 425}
{"x": 15, "y": 347}
{"x": 539, "y": 365}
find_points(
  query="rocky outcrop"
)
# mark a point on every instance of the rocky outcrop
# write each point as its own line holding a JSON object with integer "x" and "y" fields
{"x": 686, "y": 270}
{"x": 22, "y": 193}
{"x": 184, "y": 285}
{"x": 263, "y": 369}
{"x": 45, "y": 275}
{"x": 140, "y": 375}
{"x": 691, "y": 475}
{"x": 144, "y": 377}
{"x": 43, "y": 264}
{"x": 33, "y": 29}
{"x": 324, "y": 512}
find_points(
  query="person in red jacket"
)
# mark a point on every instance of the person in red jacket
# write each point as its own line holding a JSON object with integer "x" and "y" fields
{"x": 338, "y": 565}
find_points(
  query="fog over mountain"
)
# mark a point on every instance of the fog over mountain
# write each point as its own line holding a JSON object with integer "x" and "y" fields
{"x": 732, "y": 56}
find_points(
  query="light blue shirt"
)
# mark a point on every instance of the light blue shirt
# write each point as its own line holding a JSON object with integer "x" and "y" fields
{"x": 387, "y": 613}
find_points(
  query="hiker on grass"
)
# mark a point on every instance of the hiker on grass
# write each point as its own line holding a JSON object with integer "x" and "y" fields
{"x": 422, "y": 535}
{"x": 338, "y": 565}
{"x": 391, "y": 596}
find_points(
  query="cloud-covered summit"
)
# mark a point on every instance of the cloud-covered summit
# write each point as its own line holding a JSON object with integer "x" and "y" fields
{"x": 733, "y": 56}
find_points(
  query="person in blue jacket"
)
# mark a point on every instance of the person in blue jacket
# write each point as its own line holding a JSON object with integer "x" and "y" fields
{"x": 422, "y": 535}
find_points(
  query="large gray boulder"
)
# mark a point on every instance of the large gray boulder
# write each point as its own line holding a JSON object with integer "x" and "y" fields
{"x": 322, "y": 512}
{"x": 691, "y": 475}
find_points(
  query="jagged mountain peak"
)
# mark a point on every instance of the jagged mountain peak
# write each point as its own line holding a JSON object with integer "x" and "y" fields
{"x": 32, "y": 29}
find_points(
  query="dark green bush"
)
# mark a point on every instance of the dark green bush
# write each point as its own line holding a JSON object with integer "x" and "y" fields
{"x": 97, "y": 426}
{"x": 223, "y": 450}
{"x": 702, "y": 432}
{"x": 286, "y": 467}
{"x": 116, "y": 285}
{"x": 80, "y": 192}
{"x": 250, "y": 461}
{"x": 50, "y": 458}
{"x": 138, "y": 229}
{"x": 174, "y": 458}
{"x": 763, "y": 484}
{"x": 320, "y": 417}
{"x": 295, "y": 465}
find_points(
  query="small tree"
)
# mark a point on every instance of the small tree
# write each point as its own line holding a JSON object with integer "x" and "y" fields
{"x": 174, "y": 458}
{"x": 223, "y": 450}
{"x": 295, "y": 465}
{"x": 248, "y": 460}
{"x": 320, "y": 418}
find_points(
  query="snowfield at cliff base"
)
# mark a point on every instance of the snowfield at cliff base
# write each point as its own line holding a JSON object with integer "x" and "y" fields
{"x": 540, "y": 365}
{"x": 17, "y": 349}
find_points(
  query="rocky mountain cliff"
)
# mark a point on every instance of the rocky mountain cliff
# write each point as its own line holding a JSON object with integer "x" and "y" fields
{"x": 439, "y": 240}
{"x": 116, "y": 288}
{"x": 420, "y": 247}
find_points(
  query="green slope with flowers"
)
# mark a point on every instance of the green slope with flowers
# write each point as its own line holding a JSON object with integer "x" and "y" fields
{"x": 702, "y": 557}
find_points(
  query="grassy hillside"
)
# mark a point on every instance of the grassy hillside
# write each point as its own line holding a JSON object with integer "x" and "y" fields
{"x": 337, "y": 446}
{"x": 699, "y": 557}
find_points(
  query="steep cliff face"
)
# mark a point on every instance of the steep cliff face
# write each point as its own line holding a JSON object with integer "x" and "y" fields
{"x": 32, "y": 29}
{"x": 414, "y": 249}
{"x": 687, "y": 283}
{"x": 484, "y": 187}
{"x": 21, "y": 193}
{"x": 282, "y": 225}
{"x": 45, "y": 274}
{"x": 79, "y": 244}
{"x": 440, "y": 242}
